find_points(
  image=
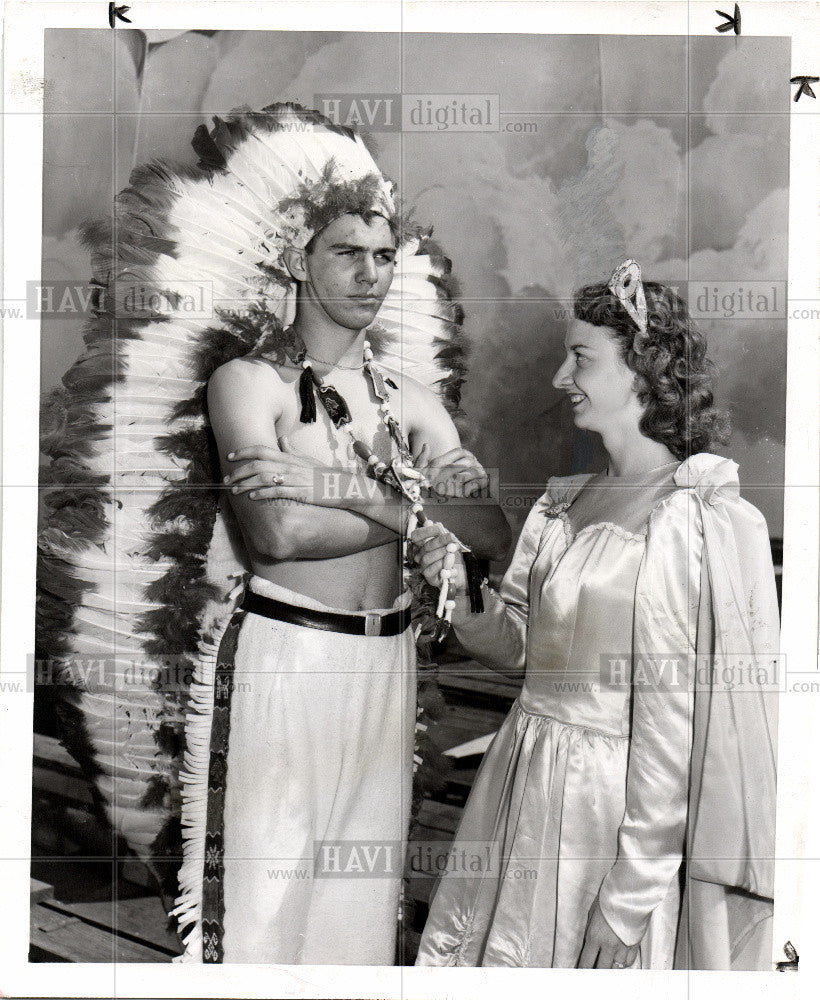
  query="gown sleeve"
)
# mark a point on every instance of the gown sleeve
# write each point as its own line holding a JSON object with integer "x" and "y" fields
{"x": 652, "y": 834}
{"x": 497, "y": 637}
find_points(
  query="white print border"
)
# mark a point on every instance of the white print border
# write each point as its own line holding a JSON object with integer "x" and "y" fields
{"x": 798, "y": 881}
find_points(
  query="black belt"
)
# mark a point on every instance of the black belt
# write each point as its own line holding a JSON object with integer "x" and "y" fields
{"x": 365, "y": 623}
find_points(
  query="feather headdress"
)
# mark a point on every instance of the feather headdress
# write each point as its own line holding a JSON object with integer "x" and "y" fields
{"x": 138, "y": 560}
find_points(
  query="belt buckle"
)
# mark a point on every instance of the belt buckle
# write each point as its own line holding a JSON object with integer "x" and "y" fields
{"x": 372, "y": 623}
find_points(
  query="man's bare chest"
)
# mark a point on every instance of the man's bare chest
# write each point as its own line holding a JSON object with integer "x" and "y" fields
{"x": 332, "y": 446}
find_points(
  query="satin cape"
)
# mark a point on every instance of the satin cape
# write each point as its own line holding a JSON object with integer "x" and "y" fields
{"x": 729, "y": 888}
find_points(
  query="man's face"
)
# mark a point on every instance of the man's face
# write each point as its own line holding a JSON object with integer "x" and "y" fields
{"x": 350, "y": 268}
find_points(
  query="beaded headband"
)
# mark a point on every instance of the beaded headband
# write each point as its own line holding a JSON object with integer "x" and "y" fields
{"x": 627, "y": 287}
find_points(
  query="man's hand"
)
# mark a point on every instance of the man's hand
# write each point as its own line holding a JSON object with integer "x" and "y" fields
{"x": 430, "y": 547}
{"x": 456, "y": 473}
{"x": 266, "y": 473}
{"x": 603, "y": 949}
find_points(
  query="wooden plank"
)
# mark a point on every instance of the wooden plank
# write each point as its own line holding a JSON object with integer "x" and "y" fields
{"x": 430, "y": 807}
{"x": 437, "y": 819}
{"x": 421, "y": 888}
{"x": 60, "y": 827}
{"x": 67, "y": 786}
{"x": 463, "y": 719}
{"x": 468, "y": 675}
{"x": 146, "y": 916}
{"x": 134, "y": 870}
{"x": 411, "y": 940}
{"x": 63, "y": 937}
{"x": 461, "y": 778}
{"x": 459, "y": 700}
{"x": 40, "y": 890}
{"x": 56, "y": 772}
{"x": 143, "y": 918}
{"x": 448, "y": 733}
{"x": 468, "y": 719}
{"x": 477, "y": 682}
{"x": 430, "y": 831}
{"x": 49, "y": 752}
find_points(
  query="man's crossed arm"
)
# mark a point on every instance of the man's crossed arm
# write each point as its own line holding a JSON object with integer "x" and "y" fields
{"x": 293, "y": 507}
{"x": 244, "y": 402}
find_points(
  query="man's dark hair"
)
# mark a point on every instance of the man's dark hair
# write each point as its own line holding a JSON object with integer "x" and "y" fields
{"x": 369, "y": 215}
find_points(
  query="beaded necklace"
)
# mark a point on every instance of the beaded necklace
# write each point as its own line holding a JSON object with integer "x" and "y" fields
{"x": 400, "y": 475}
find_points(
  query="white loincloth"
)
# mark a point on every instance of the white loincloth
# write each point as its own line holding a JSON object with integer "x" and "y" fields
{"x": 320, "y": 751}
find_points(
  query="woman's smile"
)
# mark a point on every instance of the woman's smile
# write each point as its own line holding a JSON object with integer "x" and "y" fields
{"x": 599, "y": 383}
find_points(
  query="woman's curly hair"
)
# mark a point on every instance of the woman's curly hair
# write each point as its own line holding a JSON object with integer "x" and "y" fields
{"x": 675, "y": 376}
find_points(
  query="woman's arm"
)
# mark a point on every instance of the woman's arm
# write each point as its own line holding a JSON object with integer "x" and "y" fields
{"x": 652, "y": 835}
{"x": 496, "y": 637}
{"x": 479, "y": 522}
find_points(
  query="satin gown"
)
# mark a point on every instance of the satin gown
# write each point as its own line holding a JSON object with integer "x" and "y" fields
{"x": 605, "y": 567}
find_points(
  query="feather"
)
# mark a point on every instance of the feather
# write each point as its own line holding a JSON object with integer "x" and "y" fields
{"x": 135, "y": 556}
{"x": 211, "y": 156}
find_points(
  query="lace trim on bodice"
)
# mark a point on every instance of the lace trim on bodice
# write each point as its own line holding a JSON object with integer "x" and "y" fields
{"x": 562, "y": 493}
{"x": 570, "y": 535}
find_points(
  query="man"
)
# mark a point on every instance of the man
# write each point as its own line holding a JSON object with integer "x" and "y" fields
{"x": 323, "y": 708}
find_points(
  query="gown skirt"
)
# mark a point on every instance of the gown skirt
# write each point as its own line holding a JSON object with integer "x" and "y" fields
{"x": 550, "y": 797}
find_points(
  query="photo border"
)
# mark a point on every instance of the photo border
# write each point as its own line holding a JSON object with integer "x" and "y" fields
{"x": 798, "y": 817}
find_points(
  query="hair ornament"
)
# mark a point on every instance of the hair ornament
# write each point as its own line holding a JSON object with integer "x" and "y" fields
{"x": 627, "y": 287}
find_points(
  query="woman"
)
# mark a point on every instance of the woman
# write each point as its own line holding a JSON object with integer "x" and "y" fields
{"x": 627, "y": 592}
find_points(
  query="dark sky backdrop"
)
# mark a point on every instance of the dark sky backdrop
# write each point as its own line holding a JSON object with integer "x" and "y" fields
{"x": 670, "y": 150}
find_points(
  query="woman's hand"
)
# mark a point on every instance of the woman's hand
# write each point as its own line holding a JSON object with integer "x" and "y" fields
{"x": 269, "y": 474}
{"x": 603, "y": 949}
{"x": 430, "y": 547}
{"x": 456, "y": 473}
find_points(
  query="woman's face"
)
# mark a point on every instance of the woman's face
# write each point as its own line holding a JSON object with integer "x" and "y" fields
{"x": 598, "y": 381}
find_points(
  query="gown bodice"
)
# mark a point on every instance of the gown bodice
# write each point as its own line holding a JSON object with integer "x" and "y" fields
{"x": 582, "y": 591}
{"x": 589, "y": 535}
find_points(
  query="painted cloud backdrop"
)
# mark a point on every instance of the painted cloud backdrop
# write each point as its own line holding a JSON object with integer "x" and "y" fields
{"x": 666, "y": 149}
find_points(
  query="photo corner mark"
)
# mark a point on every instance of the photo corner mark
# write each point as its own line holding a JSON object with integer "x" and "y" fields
{"x": 792, "y": 959}
{"x": 805, "y": 86}
{"x": 732, "y": 22}
{"x": 117, "y": 12}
